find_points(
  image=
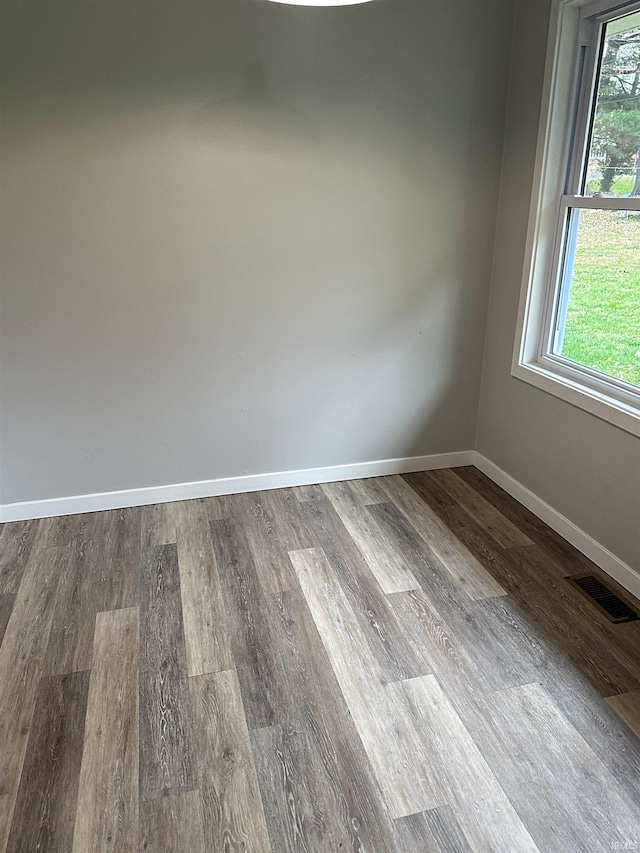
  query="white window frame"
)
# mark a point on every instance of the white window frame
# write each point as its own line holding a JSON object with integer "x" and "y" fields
{"x": 572, "y": 65}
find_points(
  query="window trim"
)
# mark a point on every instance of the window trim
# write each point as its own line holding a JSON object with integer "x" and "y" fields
{"x": 563, "y": 135}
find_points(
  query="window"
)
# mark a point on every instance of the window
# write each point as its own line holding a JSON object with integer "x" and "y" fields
{"x": 579, "y": 325}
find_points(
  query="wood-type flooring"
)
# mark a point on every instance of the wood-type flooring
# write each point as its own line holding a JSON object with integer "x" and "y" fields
{"x": 394, "y": 665}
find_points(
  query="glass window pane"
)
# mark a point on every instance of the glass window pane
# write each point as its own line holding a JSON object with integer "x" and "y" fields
{"x": 598, "y": 323}
{"x": 613, "y": 166}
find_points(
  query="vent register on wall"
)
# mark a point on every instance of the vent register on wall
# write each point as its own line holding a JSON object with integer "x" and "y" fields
{"x": 611, "y": 604}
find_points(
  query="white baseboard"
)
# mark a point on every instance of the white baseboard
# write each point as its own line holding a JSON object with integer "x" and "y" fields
{"x": 608, "y": 562}
{"x": 601, "y": 556}
{"x": 232, "y": 485}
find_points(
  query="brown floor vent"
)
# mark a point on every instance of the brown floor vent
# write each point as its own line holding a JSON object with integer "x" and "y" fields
{"x": 615, "y": 608}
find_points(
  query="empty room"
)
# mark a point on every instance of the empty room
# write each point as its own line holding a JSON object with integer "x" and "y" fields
{"x": 319, "y": 426}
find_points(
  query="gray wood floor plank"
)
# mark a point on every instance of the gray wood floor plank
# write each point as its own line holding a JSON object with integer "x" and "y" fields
{"x": 489, "y": 709}
{"x": 369, "y": 491}
{"x": 541, "y": 567}
{"x": 589, "y": 644}
{"x": 166, "y": 742}
{"x": 562, "y": 790}
{"x": 45, "y": 809}
{"x": 336, "y": 771}
{"x": 280, "y": 761}
{"x": 289, "y": 523}
{"x": 563, "y": 553}
{"x": 390, "y": 739}
{"x": 60, "y": 530}
{"x": 414, "y": 836}
{"x": 251, "y": 634}
{"x": 393, "y": 647}
{"x": 429, "y": 490}
{"x": 233, "y": 816}
{"x": 503, "y": 531}
{"x": 173, "y": 824}
{"x": 71, "y": 639}
{"x": 308, "y": 493}
{"x": 7, "y": 803}
{"x": 627, "y": 706}
{"x": 575, "y": 696}
{"x": 446, "y": 830}
{"x": 102, "y": 575}
{"x": 254, "y": 513}
{"x": 202, "y": 605}
{"x": 518, "y": 571}
{"x": 107, "y": 813}
{"x": 79, "y": 598}
{"x": 460, "y": 771}
{"x": 469, "y": 573}
{"x": 515, "y": 655}
{"x": 533, "y": 651}
{"x": 389, "y": 568}
{"x": 157, "y": 526}
{"x": 617, "y": 747}
{"x": 21, "y": 666}
{"x": 114, "y": 550}
{"x": 16, "y": 542}
{"x": 215, "y": 508}
{"x": 477, "y": 624}
{"x": 6, "y": 606}
{"x": 435, "y": 831}
{"x": 444, "y": 650}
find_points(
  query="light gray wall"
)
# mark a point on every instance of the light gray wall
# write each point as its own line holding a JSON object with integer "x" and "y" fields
{"x": 585, "y": 468}
{"x": 203, "y": 278}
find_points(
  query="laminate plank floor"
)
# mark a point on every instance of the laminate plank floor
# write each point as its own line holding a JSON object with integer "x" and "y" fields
{"x": 393, "y": 665}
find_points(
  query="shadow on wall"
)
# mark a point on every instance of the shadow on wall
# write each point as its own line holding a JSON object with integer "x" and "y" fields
{"x": 237, "y": 237}
{"x": 252, "y": 114}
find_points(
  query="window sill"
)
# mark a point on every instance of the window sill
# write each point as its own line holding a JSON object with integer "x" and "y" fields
{"x": 616, "y": 412}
